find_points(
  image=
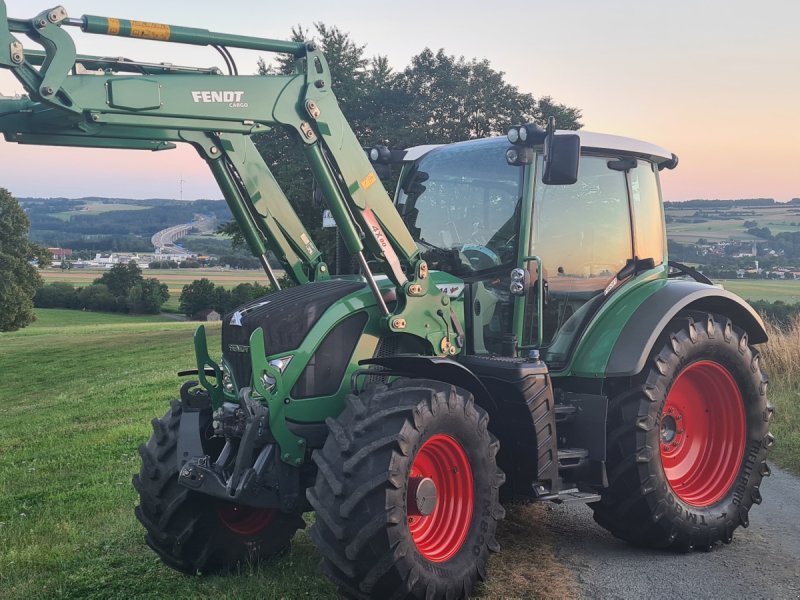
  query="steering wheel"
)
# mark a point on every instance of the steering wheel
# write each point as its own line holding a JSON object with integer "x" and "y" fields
{"x": 480, "y": 257}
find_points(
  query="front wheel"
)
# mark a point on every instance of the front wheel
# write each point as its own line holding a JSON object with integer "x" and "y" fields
{"x": 687, "y": 439}
{"x": 195, "y": 533}
{"x": 406, "y": 496}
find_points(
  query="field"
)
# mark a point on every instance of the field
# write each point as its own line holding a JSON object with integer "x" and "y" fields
{"x": 777, "y": 219}
{"x": 79, "y": 390}
{"x": 764, "y": 289}
{"x": 174, "y": 278}
{"x": 96, "y": 208}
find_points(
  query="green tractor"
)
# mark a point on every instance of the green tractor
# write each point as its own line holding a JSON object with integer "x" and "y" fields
{"x": 509, "y": 329}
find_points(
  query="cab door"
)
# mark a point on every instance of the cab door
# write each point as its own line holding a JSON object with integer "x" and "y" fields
{"x": 583, "y": 236}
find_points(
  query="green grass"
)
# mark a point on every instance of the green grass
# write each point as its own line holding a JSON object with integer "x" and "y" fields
{"x": 76, "y": 403}
{"x": 79, "y": 391}
{"x": 64, "y": 318}
{"x": 785, "y": 396}
{"x": 762, "y": 289}
{"x": 95, "y": 208}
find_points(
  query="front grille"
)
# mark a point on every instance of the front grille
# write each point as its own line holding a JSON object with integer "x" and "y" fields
{"x": 286, "y": 317}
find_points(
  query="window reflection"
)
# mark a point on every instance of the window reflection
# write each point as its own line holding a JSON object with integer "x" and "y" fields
{"x": 582, "y": 233}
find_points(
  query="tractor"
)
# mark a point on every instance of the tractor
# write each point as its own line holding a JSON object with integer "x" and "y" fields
{"x": 508, "y": 328}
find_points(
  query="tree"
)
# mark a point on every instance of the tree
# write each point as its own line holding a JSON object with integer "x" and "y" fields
{"x": 438, "y": 98}
{"x": 120, "y": 279}
{"x": 19, "y": 280}
{"x": 97, "y": 297}
{"x": 196, "y": 296}
{"x": 147, "y": 296}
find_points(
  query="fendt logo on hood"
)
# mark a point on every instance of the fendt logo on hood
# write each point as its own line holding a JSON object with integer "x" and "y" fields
{"x": 231, "y": 98}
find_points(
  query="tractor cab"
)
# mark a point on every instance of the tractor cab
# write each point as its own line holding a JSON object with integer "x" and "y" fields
{"x": 538, "y": 260}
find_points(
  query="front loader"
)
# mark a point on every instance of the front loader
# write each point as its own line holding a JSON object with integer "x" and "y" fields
{"x": 514, "y": 331}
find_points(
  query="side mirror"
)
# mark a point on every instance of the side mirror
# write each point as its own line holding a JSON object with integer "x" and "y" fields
{"x": 562, "y": 154}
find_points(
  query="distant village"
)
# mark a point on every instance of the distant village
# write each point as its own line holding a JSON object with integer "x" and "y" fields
{"x": 747, "y": 249}
{"x": 106, "y": 260}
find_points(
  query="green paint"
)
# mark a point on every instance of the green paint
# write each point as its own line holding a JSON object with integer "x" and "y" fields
{"x": 594, "y": 348}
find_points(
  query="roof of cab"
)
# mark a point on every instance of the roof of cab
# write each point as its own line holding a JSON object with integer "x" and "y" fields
{"x": 589, "y": 141}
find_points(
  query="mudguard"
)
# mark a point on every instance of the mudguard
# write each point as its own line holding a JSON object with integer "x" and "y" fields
{"x": 644, "y": 322}
{"x": 441, "y": 369}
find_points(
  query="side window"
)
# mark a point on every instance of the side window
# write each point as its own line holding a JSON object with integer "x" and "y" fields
{"x": 582, "y": 233}
{"x": 647, "y": 212}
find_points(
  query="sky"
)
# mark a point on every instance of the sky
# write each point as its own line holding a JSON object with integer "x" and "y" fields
{"x": 716, "y": 82}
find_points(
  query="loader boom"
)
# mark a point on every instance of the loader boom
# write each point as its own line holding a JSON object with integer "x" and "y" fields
{"x": 89, "y": 101}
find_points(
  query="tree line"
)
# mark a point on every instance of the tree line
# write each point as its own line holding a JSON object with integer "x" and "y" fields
{"x": 437, "y": 98}
{"x": 120, "y": 289}
{"x": 203, "y": 294}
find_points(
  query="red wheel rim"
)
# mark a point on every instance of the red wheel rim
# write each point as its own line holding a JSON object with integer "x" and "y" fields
{"x": 440, "y": 534}
{"x": 702, "y": 433}
{"x": 244, "y": 520}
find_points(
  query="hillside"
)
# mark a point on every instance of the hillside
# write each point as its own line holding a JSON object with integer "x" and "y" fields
{"x": 118, "y": 224}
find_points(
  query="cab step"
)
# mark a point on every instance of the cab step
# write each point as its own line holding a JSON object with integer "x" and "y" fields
{"x": 574, "y": 495}
{"x": 572, "y": 458}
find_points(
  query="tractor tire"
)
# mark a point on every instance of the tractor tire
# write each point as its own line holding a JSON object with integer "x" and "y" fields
{"x": 687, "y": 439}
{"x": 195, "y": 533}
{"x": 406, "y": 495}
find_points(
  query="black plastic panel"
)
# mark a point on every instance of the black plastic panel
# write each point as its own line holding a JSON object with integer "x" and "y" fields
{"x": 286, "y": 317}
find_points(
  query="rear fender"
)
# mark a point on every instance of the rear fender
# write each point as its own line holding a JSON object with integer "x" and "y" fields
{"x": 620, "y": 338}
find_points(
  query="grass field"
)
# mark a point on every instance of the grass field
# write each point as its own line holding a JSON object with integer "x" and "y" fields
{"x": 95, "y": 208}
{"x": 764, "y": 289}
{"x": 79, "y": 390}
{"x": 174, "y": 278}
{"x": 777, "y": 219}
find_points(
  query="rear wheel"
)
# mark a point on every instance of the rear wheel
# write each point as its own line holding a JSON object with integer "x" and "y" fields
{"x": 406, "y": 496}
{"x": 195, "y": 533}
{"x": 687, "y": 439}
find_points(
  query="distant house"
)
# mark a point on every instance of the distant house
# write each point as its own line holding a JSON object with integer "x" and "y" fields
{"x": 208, "y": 314}
{"x": 60, "y": 253}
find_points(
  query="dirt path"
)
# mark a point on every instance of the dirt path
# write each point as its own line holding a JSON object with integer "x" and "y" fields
{"x": 763, "y": 561}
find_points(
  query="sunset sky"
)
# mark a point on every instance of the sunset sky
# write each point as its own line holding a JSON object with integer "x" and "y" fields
{"x": 717, "y": 82}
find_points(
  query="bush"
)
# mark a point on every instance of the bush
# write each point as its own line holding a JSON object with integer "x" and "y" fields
{"x": 779, "y": 313}
{"x": 56, "y": 295}
{"x": 202, "y": 294}
{"x": 97, "y": 297}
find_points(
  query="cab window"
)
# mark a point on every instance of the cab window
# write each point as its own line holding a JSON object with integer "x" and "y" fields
{"x": 647, "y": 212}
{"x": 582, "y": 233}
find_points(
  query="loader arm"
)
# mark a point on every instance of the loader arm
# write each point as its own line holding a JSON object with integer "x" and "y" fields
{"x": 89, "y": 101}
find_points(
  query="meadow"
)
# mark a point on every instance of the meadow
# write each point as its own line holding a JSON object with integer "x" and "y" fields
{"x": 79, "y": 390}
{"x": 764, "y": 289}
{"x": 96, "y": 208}
{"x": 776, "y": 218}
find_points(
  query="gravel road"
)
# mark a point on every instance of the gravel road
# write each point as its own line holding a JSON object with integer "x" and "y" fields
{"x": 763, "y": 561}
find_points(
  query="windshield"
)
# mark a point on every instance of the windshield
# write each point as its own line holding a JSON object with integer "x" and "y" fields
{"x": 461, "y": 203}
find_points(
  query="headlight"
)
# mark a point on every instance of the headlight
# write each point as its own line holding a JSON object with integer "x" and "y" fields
{"x": 280, "y": 365}
{"x": 519, "y": 282}
{"x": 513, "y": 135}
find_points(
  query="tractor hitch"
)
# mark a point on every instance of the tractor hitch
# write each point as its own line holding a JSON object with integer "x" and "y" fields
{"x": 248, "y": 469}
